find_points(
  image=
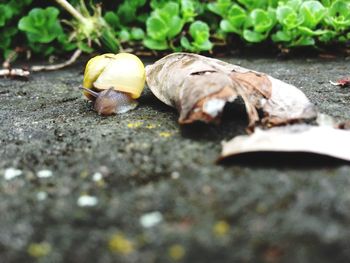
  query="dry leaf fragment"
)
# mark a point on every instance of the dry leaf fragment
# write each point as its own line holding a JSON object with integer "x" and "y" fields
{"x": 199, "y": 87}
{"x": 323, "y": 140}
{"x": 344, "y": 82}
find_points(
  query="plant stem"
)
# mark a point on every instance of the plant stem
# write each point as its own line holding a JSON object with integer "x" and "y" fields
{"x": 70, "y": 61}
{"x": 14, "y": 73}
{"x": 70, "y": 9}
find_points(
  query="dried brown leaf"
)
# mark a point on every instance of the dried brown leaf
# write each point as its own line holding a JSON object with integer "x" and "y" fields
{"x": 182, "y": 80}
{"x": 344, "y": 82}
{"x": 322, "y": 140}
{"x": 198, "y": 87}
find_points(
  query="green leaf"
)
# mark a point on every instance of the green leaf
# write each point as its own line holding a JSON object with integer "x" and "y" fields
{"x": 164, "y": 23}
{"x": 168, "y": 11}
{"x": 309, "y": 32}
{"x": 6, "y": 14}
{"x": 338, "y": 15}
{"x": 288, "y": 17}
{"x": 262, "y": 21}
{"x": 236, "y": 16}
{"x": 312, "y": 12}
{"x": 249, "y": 4}
{"x": 127, "y": 11}
{"x": 253, "y": 37}
{"x": 155, "y": 45}
{"x": 156, "y": 28}
{"x": 188, "y": 10}
{"x": 137, "y": 33}
{"x": 282, "y": 36}
{"x": 326, "y": 3}
{"x": 220, "y": 7}
{"x": 199, "y": 31}
{"x": 124, "y": 35}
{"x": 112, "y": 19}
{"x": 294, "y": 4}
{"x": 253, "y": 4}
{"x": 226, "y": 26}
{"x": 328, "y": 36}
{"x": 158, "y": 3}
{"x": 204, "y": 46}
{"x": 41, "y": 25}
{"x": 185, "y": 43}
{"x": 175, "y": 26}
{"x": 304, "y": 41}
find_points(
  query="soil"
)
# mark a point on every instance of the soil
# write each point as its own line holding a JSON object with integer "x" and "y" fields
{"x": 138, "y": 188}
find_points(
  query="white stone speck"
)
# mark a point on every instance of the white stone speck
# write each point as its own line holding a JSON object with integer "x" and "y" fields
{"x": 97, "y": 177}
{"x": 151, "y": 219}
{"x": 41, "y": 196}
{"x": 175, "y": 175}
{"x": 87, "y": 200}
{"x": 44, "y": 174}
{"x": 11, "y": 173}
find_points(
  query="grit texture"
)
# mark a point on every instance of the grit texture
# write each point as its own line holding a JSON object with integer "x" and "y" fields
{"x": 76, "y": 187}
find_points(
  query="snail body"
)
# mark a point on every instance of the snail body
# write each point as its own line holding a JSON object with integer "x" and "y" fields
{"x": 113, "y": 82}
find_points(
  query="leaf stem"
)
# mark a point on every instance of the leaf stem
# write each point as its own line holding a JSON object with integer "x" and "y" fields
{"x": 70, "y": 9}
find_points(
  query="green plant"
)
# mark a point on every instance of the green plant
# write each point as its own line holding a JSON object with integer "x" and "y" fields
{"x": 199, "y": 32}
{"x": 41, "y": 25}
{"x": 163, "y": 26}
{"x": 127, "y": 20}
{"x": 300, "y": 23}
{"x": 168, "y": 20}
{"x": 170, "y": 25}
{"x": 291, "y": 23}
{"x": 10, "y": 12}
{"x": 338, "y": 18}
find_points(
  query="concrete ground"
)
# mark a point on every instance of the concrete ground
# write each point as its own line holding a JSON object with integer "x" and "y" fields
{"x": 76, "y": 187}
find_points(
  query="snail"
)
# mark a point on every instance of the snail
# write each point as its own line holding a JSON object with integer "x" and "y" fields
{"x": 114, "y": 82}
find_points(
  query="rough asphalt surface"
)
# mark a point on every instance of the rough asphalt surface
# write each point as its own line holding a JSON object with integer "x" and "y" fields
{"x": 75, "y": 187}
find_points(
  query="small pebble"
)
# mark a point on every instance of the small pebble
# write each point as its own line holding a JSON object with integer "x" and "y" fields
{"x": 44, "y": 174}
{"x": 175, "y": 175}
{"x": 87, "y": 200}
{"x": 41, "y": 196}
{"x": 97, "y": 177}
{"x": 11, "y": 173}
{"x": 151, "y": 219}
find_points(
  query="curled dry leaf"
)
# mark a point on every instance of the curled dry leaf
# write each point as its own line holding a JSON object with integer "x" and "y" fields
{"x": 199, "y": 87}
{"x": 292, "y": 138}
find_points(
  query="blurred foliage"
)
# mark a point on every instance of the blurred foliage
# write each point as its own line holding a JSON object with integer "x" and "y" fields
{"x": 46, "y": 28}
